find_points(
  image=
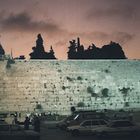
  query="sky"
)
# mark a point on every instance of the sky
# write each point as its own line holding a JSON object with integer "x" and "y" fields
{"x": 59, "y": 21}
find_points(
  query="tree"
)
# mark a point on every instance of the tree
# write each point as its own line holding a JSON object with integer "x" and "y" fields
{"x": 2, "y": 52}
{"x": 111, "y": 51}
{"x": 39, "y": 51}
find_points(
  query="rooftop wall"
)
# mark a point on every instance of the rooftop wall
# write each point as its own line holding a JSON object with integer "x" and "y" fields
{"x": 58, "y": 85}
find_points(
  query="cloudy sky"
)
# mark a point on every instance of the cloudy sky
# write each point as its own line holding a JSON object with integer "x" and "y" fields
{"x": 94, "y": 21}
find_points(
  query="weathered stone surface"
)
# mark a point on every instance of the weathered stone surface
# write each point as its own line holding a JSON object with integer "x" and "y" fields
{"x": 58, "y": 85}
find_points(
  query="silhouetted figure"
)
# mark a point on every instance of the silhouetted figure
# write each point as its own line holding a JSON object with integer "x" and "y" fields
{"x": 39, "y": 51}
{"x": 110, "y": 51}
{"x": 36, "y": 124}
{"x": 26, "y": 123}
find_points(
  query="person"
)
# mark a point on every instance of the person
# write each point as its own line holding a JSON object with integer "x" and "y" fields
{"x": 36, "y": 124}
{"x": 15, "y": 120}
{"x": 26, "y": 123}
{"x": 130, "y": 115}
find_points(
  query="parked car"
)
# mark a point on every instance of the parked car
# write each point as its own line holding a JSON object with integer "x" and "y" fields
{"x": 65, "y": 122}
{"x": 86, "y": 127}
{"x": 121, "y": 116}
{"x": 15, "y": 132}
{"x": 80, "y": 116}
{"x": 117, "y": 127}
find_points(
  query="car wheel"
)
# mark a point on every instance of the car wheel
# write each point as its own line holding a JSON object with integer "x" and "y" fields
{"x": 103, "y": 134}
{"x": 134, "y": 134}
{"x": 63, "y": 127}
{"x": 75, "y": 133}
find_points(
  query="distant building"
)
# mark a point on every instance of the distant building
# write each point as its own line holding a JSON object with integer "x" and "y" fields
{"x": 39, "y": 51}
{"x": 21, "y": 57}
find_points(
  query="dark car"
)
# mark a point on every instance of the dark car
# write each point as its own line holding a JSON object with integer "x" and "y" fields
{"x": 15, "y": 132}
{"x": 65, "y": 122}
{"x": 79, "y": 116}
{"x": 86, "y": 115}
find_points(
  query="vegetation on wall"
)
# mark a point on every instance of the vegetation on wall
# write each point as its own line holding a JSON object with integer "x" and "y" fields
{"x": 79, "y": 78}
{"x": 125, "y": 91}
{"x": 80, "y": 104}
{"x": 91, "y": 91}
{"x": 105, "y": 92}
{"x": 38, "y": 106}
{"x": 9, "y": 62}
{"x": 69, "y": 79}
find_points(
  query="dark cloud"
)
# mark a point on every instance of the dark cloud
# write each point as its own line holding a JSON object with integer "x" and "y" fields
{"x": 122, "y": 37}
{"x": 121, "y": 12}
{"x": 61, "y": 43}
{"x": 119, "y": 37}
{"x": 123, "y": 9}
{"x": 24, "y": 22}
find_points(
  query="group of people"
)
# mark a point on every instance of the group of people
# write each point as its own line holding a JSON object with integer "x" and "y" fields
{"x": 34, "y": 121}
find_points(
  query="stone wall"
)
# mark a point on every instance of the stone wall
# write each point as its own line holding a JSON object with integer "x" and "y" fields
{"x": 58, "y": 85}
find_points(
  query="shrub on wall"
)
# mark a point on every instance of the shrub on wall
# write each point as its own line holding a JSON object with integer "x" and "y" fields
{"x": 105, "y": 92}
{"x": 126, "y": 104}
{"x": 69, "y": 79}
{"x": 125, "y": 91}
{"x": 63, "y": 87}
{"x": 9, "y": 62}
{"x": 38, "y": 106}
{"x": 80, "y": 104}
{"x": 79, "y": 78}
{"x": 91, "y": 91}
{"x": 106, "y": 71}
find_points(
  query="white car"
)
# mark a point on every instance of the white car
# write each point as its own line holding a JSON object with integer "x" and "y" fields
{"x": 117, "y": 127}
{"x": 86, "y": 127}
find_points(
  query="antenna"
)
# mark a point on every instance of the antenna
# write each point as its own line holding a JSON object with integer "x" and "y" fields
{"x": 0, "y": 39}
{"x": 11, "y": 53}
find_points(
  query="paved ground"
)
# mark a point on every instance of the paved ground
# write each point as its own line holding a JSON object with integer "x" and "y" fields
{"x": 49, "y": 132}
